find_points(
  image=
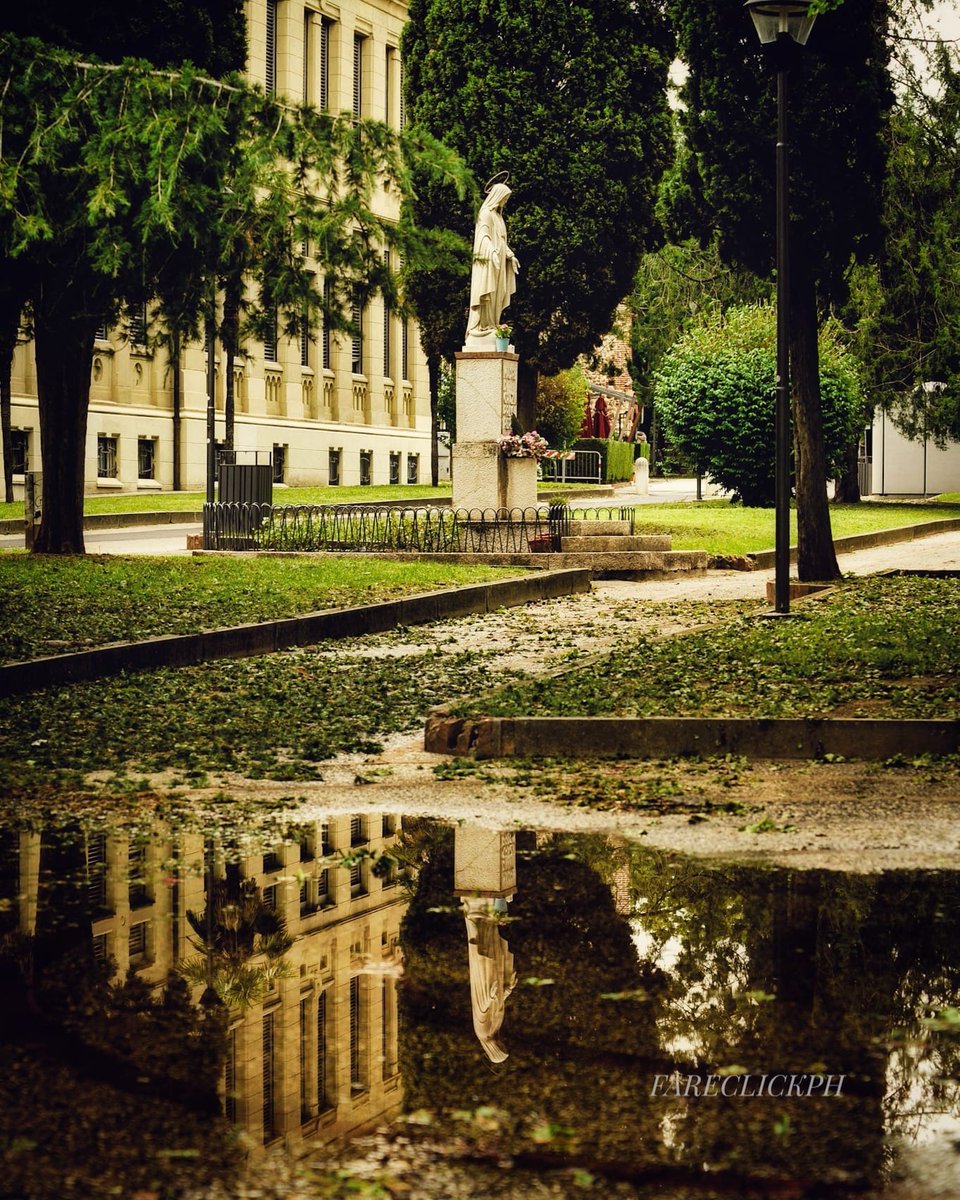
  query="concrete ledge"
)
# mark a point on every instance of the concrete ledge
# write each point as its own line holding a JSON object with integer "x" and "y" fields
{"x": 244, "y": 641}
{"x": 668, "y": 737}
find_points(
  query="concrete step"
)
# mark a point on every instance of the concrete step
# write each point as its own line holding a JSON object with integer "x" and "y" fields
{"x": 599, "y": 528}
{"x": 661, "y": 561}
{"x": 619, "y": 543}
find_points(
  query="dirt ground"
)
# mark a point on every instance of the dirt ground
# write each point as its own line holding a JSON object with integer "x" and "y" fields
{"x": 841, "y": 815}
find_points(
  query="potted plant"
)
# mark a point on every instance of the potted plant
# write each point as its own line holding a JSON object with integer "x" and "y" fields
{"x": 502, "y": 334}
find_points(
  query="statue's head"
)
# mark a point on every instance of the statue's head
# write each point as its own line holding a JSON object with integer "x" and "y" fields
{"x": 497, "y": 196}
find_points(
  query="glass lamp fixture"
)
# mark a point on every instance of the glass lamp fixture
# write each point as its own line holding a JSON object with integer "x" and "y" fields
{"x": 775, "y": 17}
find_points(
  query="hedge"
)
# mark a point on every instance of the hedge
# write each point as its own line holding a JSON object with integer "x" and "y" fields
{"x": 616, "y": 457}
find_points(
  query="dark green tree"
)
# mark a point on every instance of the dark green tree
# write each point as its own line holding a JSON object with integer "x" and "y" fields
{"x": 839, "y": 97}
{"x": 163, "y": 32}
{"x": 908, "y": 301}
{"x": 571, "y": 100}
{"x": 122, "y": 184}
{"x": 674, "y": 287}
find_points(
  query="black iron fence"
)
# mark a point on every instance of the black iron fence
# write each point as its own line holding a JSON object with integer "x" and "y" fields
{"x": 366, "y": 527}
{"x": 359, "y": 527}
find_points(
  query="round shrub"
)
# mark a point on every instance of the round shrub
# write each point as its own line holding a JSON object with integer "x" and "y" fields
{"x": 716, "y": 390}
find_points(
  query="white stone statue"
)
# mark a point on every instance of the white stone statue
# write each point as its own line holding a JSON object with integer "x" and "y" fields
{"x": 495, "y": 269}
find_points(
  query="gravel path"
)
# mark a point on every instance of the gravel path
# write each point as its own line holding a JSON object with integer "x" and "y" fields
{"x": 844, "y": 816}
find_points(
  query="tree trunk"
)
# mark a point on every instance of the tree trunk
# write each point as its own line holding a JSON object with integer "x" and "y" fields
{"x": 433, "y": 373}
{"x": 848, "y": 485}
{"x": 527, "y": 378}
{"x": 64, "y": 353}
{"x": 7, "y": 346}
{"x": 816, "y": 559}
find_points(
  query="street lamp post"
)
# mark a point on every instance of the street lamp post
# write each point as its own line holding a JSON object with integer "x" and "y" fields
{"x": 782, "y": 26}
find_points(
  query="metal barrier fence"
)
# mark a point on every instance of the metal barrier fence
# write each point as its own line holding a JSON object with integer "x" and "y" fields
{"x": 357, "y": 527}
{"x": 586, "y": 466}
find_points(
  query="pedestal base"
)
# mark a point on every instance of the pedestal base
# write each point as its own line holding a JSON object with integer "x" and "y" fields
{"x": 484, "y": 481}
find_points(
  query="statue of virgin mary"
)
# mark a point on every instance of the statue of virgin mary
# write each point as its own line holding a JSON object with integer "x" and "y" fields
{"x": 495, "y": 269}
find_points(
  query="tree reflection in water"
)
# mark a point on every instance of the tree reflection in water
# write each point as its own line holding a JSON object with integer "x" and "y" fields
{"x": 635, "y": 965}
{"x": 609, "y": 966}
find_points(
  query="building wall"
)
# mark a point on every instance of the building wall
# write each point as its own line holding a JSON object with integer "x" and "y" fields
{"x": 900, "y": 467}
{"x": 309, "y": 401}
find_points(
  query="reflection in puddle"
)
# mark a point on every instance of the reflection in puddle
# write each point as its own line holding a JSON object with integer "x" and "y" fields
{"x": 174, "y": 1004}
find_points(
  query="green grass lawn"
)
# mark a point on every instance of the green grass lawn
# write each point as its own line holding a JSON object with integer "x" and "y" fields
{"x": 723, "y": 528}
{"x": 883, "y": 647}
{"x": 51, "y": 604}
{"x": 716, "y": 526}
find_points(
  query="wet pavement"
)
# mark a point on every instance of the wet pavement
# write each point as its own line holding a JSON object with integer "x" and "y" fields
{"x": 434, "y": 1010}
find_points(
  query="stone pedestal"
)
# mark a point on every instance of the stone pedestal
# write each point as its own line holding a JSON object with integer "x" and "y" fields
{"x": 484, "y": 862}
{"x": 486, "y": 406}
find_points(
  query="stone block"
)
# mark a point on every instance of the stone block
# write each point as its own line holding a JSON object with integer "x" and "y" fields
{"x": 521, "y": 483}
{"x": 486, "y": 395}
{"x": 479, "y": 476}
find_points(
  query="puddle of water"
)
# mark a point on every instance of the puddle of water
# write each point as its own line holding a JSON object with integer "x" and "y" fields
{"x": 179, "y": 1007}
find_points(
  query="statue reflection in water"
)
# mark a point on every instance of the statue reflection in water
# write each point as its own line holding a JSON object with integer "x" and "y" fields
{"x": 485, "y": 879}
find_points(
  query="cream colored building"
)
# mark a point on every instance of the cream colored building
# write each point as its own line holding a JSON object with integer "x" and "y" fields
{"x": 330, "y": 410}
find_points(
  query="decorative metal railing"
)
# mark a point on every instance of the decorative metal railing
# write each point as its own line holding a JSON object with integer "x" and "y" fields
{"x": 367, "y": 527}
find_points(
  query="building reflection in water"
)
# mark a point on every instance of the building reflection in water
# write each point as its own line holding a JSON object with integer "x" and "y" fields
{"x": 300, "y": 940}
{"x": 636, "y": 967}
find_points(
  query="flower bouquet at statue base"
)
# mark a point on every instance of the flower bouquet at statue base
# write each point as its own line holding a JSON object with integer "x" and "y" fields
{"x": 522, "y": 445}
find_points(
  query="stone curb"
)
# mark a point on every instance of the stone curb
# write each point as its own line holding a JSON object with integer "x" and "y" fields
{"x": 123, "y": 520}
{"x": 669, "y": 737}
{"x": 764, "y": 559}
{"x": 267, "y": 637}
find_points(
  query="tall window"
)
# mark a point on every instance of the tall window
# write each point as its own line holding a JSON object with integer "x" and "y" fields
{"x": 97, "y": 871}
{"x": 138, "y": 325}
{"x": 405, "y": 348}
{"x": 325, "y": 336}
{"x": 358, "y": 40}
{"x": 324, "y": 97}
{"x": 390, "y": 68}
{"x": 305, "y": 343}
{"x": 413, "y": 468}
{"x": 270, "y": 71}
{"x": 270, "y": 340}
{"x": 356, "y": 353}
{"x": 323, "y": 1083}
{"x": 304, "y": 1051}
{"x": 269, "y": 1075}
{"x": 387, "y": 323}
{"x": 333, "y": 479}
{"x": 230, "y": 1080}
{"x": 356, "y": 1075}
{"x": 394, "y": 467}
{"x": 308, "y": 47}
{"x": 279, "y": 463}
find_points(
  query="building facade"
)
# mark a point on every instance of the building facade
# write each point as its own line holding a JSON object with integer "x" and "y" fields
{"x": 329, "y": 409}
